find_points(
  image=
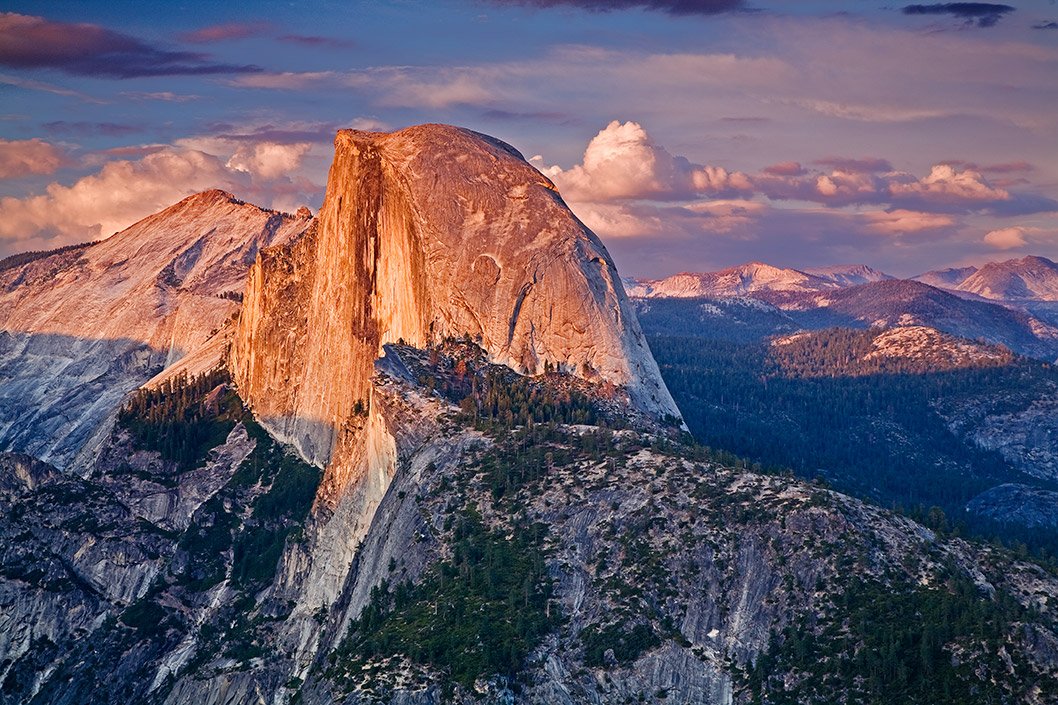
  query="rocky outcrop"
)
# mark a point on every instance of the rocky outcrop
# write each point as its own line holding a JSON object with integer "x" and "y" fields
{"x": 82, "y": 327}
{"x": 1021, "y": 505}
{"x": 429, "y": 233}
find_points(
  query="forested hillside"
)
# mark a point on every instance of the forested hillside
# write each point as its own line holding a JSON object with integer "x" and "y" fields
{"x": 876, "y": 425}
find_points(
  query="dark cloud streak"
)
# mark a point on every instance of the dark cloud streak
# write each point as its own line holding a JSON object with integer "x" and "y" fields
{"x": 311, "y": 40}
{"x": 672, "y": 7}
{"x": 78, "y": 127}
{"x": 983, "y": 14}
{"x": 28, "y": 42}
{"x": 224, "y": 32}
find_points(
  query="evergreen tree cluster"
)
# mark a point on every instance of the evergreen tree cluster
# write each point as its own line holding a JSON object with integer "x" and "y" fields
{"x": 181, "y": 419}
{"x": 478, "y": 614}
{"x": 845, "y": 352}
{"x": 897, "y": 644}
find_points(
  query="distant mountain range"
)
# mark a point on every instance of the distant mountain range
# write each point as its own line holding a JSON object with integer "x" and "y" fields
{"x": 1012, "y": 303}
{"x": 753, "y": 277}
{"x": 1029, "y": 279}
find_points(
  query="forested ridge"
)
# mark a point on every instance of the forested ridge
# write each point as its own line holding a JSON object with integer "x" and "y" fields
{"x": 870, "y": 427}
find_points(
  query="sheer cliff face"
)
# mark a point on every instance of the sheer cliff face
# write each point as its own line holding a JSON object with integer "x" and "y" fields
{"x": 80, "y": 328}
{"x": 427, "y": 233}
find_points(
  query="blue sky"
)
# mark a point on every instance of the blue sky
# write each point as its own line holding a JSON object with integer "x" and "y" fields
{"x": 690, "y": 134}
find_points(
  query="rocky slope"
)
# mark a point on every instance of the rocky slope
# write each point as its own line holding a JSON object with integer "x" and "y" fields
{"x": 886, "y": 303}
{"x": 81, "y": 327}
{"x": 511, "y": 560}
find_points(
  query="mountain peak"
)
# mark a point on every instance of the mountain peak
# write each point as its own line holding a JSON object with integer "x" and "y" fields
{"x": 125, "y": 307}
{"x": 1031, "y": 278}
{"x": 428, "y": 135}
{"x": 425, "y": 234}
{"x": 211, "y": 195}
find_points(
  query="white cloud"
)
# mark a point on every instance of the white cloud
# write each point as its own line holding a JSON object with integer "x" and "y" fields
{"x": 118, "y": 195}
{"x": 268, "y": 160}
{"x": 947, "y": 185}
{"x": 623, "y": 162}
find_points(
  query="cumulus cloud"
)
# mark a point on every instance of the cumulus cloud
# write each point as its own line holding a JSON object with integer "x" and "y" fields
{"x": 121, "y": 193}
{"x": 672, "y": 7}
{"x": 623, "y": 162}
{"x": 663, "y": 213}
{"x": 267, "y": 160}
{"x": 23, "y": 157}
{"x": 270, "y": 164}
{"x": 28, "y": 42}
{"x": 946, "y": 185}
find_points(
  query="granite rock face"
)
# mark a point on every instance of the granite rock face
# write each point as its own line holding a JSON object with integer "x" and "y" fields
{"x": 429, "y": 233}
{"x": 82, "y": 327}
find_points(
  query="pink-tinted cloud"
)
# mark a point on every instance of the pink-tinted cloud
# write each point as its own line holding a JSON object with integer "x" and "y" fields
{"x": 622, "y": 162}
{"x": 115, "y": 197}
{"x": 224, "y": 32}
{"x": 900, "y": 222}
{"x": 24, "y": 157}
{"x": 1006, "y": 238}
{"x": 785, "y": 169}
{"x": 133, "y": 182}
{"x": 86, "y": 49}
{"x": 268, "y": 160}
{"x": 945, "y": 185}
{"x": 1020, "y": 236}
